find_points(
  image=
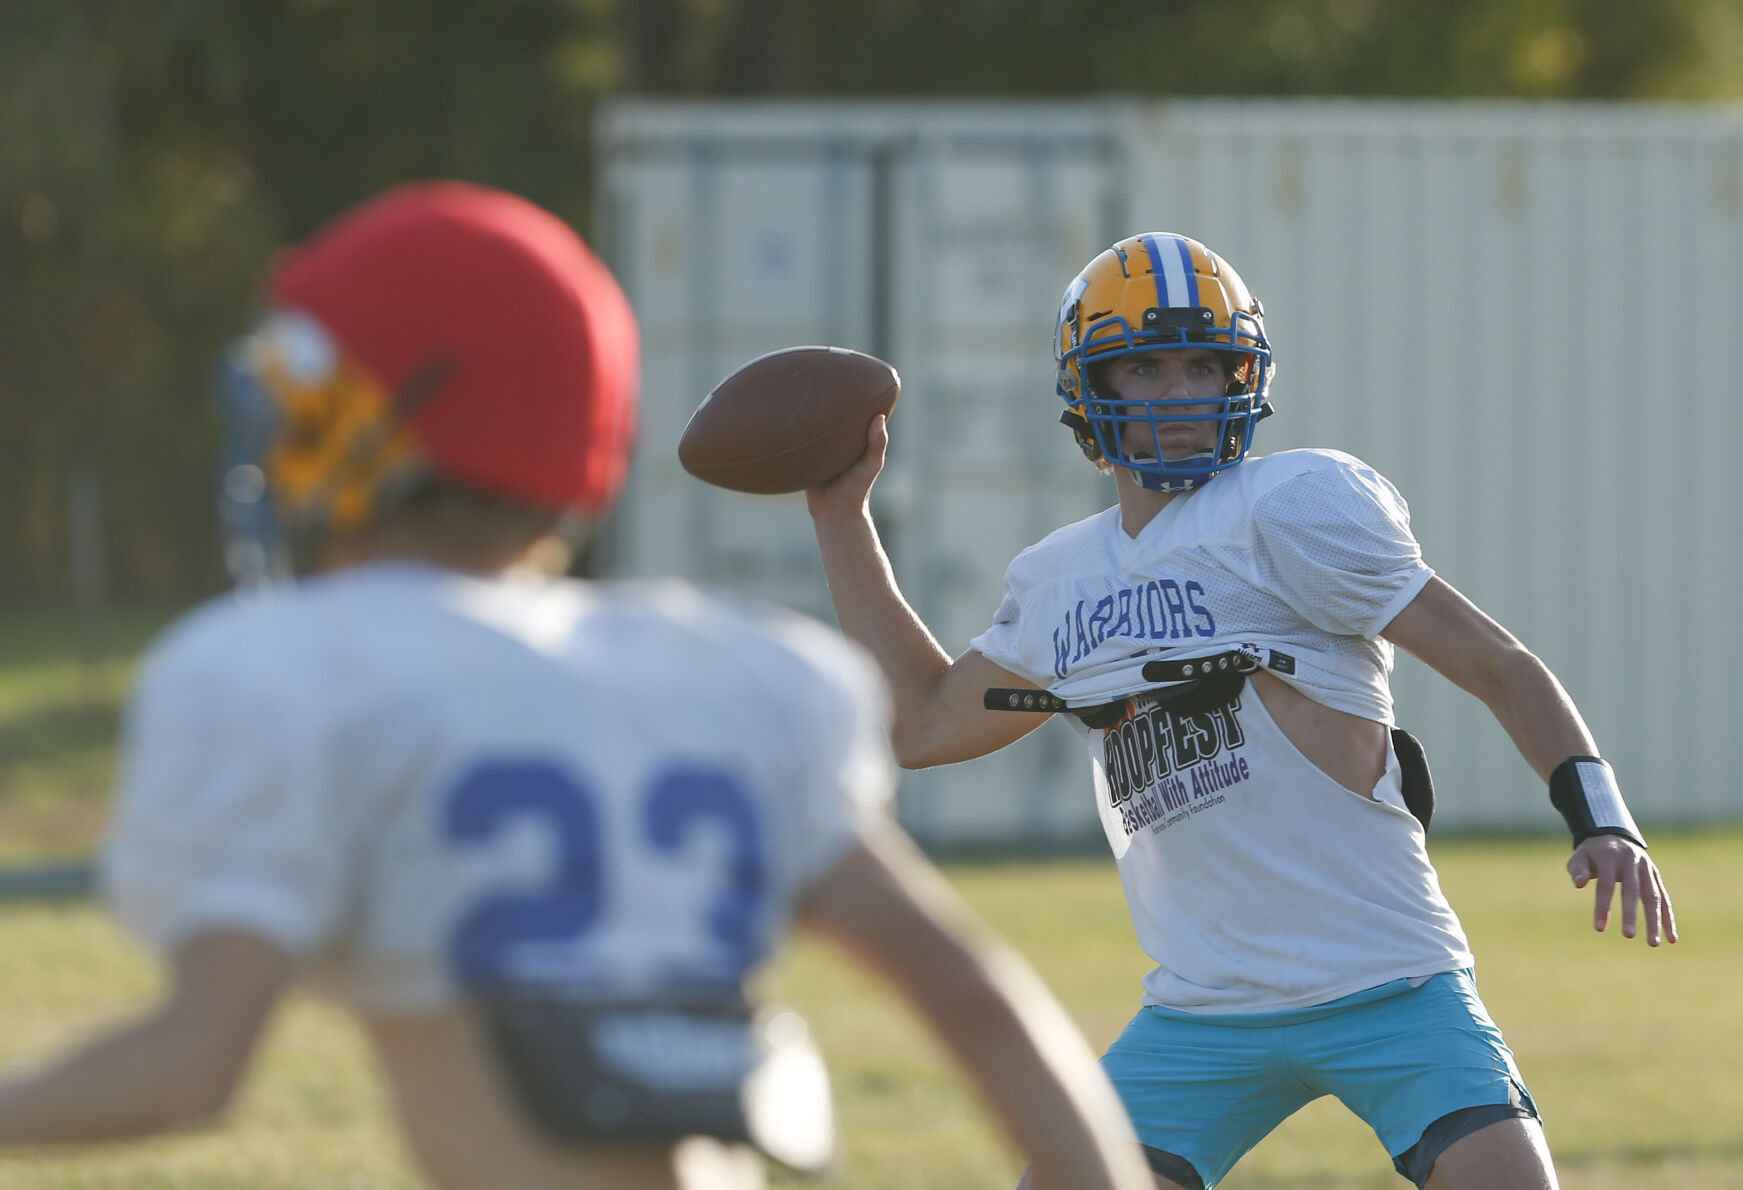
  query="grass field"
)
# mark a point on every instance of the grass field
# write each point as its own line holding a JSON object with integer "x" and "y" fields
{"x": 62, "y": 681}
{"x": 1634, "y": 1055}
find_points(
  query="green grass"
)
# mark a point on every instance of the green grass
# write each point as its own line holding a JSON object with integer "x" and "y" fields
{"x": 1632, "y": 1053}
{"x": 62, "y": 683}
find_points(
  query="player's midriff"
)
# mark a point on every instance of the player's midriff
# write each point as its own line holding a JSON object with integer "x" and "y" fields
{"x": 1347, "y": 748}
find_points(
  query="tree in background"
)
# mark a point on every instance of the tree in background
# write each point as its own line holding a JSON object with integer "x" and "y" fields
{"x": 154, "y": 154}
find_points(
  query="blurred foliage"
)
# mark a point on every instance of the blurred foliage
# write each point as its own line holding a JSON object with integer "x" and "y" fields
{"x": 153, "y": 156}
{"x": 155, "y": 153}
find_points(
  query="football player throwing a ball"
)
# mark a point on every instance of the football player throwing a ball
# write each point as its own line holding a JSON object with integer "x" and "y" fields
{"x": 536, "y": 832}
{"x": 1222, "y": 639}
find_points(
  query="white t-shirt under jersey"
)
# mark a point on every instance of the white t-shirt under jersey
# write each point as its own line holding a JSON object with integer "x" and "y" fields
{"x": 401, "y": 774}
{"x": 1254, "y": 881}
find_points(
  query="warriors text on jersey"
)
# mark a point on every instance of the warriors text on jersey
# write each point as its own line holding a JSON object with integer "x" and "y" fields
{"x": 1255, "y": 881}
{"x": 409, "y": 779}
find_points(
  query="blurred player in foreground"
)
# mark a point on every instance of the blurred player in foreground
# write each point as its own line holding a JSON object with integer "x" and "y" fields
{"x": 1222, "y": 637}
{"x": 536, "y": 832}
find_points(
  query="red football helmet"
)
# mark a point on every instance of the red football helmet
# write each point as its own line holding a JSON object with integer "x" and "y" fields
{"x": 440, "y": 329}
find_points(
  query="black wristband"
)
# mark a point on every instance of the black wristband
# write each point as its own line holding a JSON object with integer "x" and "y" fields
{"x": 1584, "y": 789}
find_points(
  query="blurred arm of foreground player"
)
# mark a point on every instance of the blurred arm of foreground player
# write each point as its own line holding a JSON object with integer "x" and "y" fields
{"x": 172, "y": 1068}
{"x": 886, "y": 905}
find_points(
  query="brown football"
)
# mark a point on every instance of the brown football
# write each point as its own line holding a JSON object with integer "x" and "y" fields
{"x": 789, "y": 420}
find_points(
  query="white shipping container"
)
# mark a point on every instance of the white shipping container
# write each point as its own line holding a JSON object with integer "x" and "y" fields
{"x": 1516, "y": 312}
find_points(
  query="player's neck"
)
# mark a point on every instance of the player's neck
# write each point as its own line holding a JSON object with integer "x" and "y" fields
{"x": 1138, "y": 504}
{"x": 399, "y": 544}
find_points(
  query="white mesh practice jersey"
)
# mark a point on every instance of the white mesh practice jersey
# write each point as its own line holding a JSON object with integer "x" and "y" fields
{"x": 412, "y": 779}
{"x": 1306, "y": 552}
{"x": 1255, "y": 881}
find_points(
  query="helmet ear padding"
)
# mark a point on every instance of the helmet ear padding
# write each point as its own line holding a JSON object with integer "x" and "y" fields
{"x": 1085, "y": 438}
{"x": 1240, "y": 377}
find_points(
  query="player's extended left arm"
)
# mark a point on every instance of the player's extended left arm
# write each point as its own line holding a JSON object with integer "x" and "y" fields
{"x": 173, "y": 1068}
{"x": 1448, "y": 632}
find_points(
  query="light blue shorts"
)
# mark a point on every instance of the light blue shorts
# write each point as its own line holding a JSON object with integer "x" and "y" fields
{"x": 1207, "y": 1088}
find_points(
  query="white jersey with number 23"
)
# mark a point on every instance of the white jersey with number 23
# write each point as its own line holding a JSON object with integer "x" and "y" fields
{"x": 412, "y": 780}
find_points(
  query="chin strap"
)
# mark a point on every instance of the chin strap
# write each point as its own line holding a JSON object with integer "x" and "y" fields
{"x": 1175, "y": 485}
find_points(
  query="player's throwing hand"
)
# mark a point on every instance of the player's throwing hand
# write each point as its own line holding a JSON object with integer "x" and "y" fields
{"x": 1617, "y": 862}
{"x": 848, "y": 491}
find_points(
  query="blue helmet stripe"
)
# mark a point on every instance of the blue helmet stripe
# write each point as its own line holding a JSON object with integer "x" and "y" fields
{"x": 1186, "y": 268}
{"x": 1158, "y": 271}
{"x": 1171, "y": 262}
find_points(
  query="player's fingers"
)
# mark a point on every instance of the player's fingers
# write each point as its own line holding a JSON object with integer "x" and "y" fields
{"x": 871, "y": 460}
{"x": 877, "y": 438}
{"x": 877, "y": 445}
{"x": 1601, "y": 911}
{"x": 1630, "y": 898}
{"x": 852, "y": 486}
{"x": 1651, "y": 902}
{"x": 1580, "y": 867}
{"x": 1667, "y": 914}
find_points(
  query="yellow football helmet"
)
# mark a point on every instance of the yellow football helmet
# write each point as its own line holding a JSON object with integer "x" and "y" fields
{"x": 1160, "y": 292}
{"x": 313, "y": 443}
